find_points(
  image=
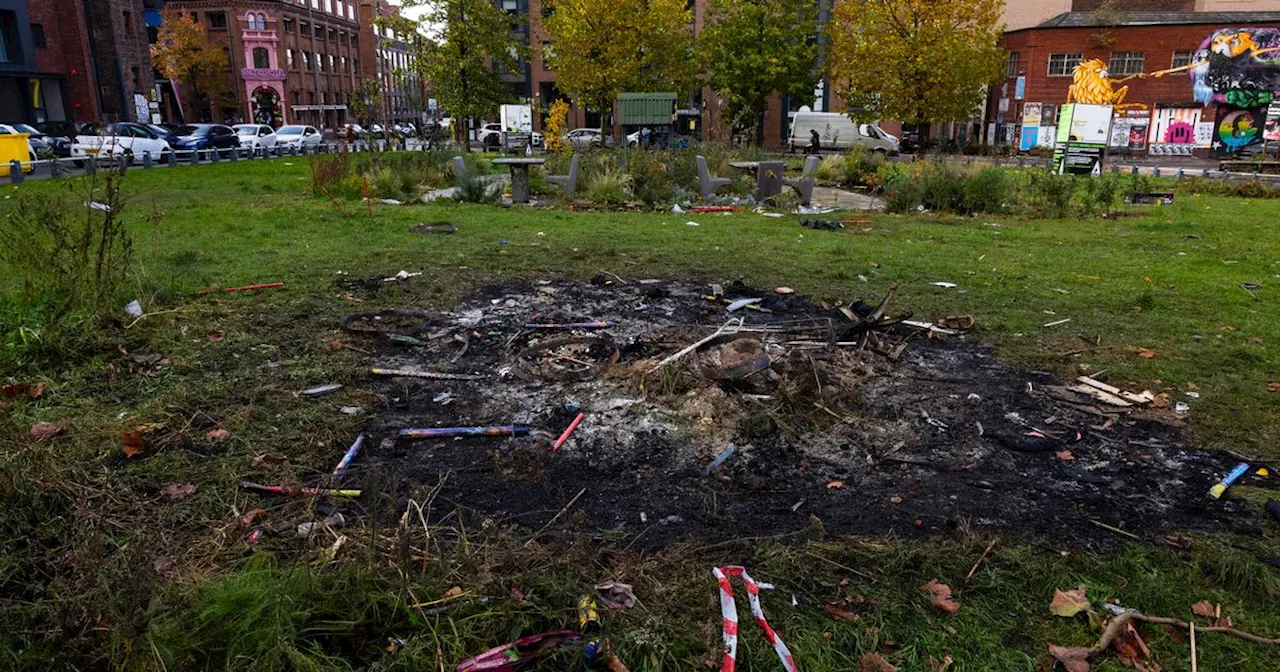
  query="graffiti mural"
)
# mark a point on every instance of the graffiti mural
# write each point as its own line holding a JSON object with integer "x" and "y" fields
{"x": 266, "y": 106}
{"x": 1237, "y": 66}
{"x": 1173, "y": 131}
{"x": 1237, "y": 128}
{"x": 1091, "y": 85}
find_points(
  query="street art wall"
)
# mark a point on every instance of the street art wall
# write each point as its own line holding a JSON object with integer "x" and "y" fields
{"x": 1237, "y": 66}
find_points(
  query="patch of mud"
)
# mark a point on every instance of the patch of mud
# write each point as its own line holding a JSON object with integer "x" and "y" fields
{"x": 921, "y": 445}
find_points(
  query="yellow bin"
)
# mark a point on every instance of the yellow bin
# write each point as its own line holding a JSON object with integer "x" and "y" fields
{"x": 14, "y": 146}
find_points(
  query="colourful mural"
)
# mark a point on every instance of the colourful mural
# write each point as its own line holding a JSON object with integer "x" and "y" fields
{"x": 1237, "y": 66}
{"x": 1091, "y": 85}
{"x": 1237, "y": 128}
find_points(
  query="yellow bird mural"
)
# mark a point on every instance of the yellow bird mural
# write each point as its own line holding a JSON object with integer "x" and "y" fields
{"x": 1092, "y": 86}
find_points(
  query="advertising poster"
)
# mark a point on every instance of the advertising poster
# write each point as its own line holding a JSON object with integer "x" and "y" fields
{"x": 1047, "y": 134}
{"x": 1030, "y": 126}
{"x": 1020, "y": 88}
{"x": 1175, "y": 131}
{"x": 1204, "y": 135}
{"x": 1237, "y": 128}
{"x": 1129, "y": 130}
{"x": 1272, "y": 131}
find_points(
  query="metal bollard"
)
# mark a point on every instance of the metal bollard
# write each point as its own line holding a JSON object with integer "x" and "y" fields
{"x": 1205, "y": 174}
{"x": 171, "y": 157}
{"x": 235, "y": 154}
{"x": 216, "y": 154}
{"x": 1180, "y": 172}
{"x": 91, "y": 165}
{"x": 195, "y": 156}
{"x": 146, "y": 159}
{"x": 15, "y": 172}
{"x": 1155, "y": 172}
{"x": 55, "y": 168}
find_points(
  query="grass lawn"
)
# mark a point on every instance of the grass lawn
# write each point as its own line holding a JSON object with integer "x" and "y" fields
{"x": 98, "y": 570}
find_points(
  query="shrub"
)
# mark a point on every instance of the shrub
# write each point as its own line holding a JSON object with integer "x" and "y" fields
{"x": 988, "y": 191}
{"x": 327, "y": 170}
{"x": 831, "y": 168}
{"x": 942, "y": 189}
{"x": 1051, "y": 191}
{"x": 650, "y": 176}
{"x": 609, "y": 186}
{"x": 1102, "y": 193}
{"x": 861, "y": 166}
{"x": 474, "y": 188}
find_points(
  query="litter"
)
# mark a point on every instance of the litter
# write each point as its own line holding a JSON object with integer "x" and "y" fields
{"x": 568, "y": 431}
{"x": 134, "y": 308}
{"x": 1181, "y": 407}
{"x": 1057, "y": 322}
{"x": 443, "y": 228}
{"x": 583, "y": 358}
{"x": 321, "y": 390}
{"x": 692, "y": 224}
{"x": 94, "y": 205}
{"x": 590, "y": 628}
{"x": 404, "y": 373}
{"x": 771, "y": 214}
{"x": 820, "y": 224}
{"x": 1220, "y": 487}
{"x": 1193, "y": 395}
{"x": 783, "y": 290}
{"x": 406, "y": 340}
{"x": 719, "y": 460}
{"x": 350, "y": 410}
{"x": 445, "y": 432}
{"x": 574, "y": 325}
{"x": 444, "y": 398}
{"x": 676, "y": 209}
{"x": 738, "y": 304}
{"x": 402, "y": 275}
{"x": 1145, "y": 397}
{"x": 944, "y": 285}
{"x": 714, "y": 208}
{"x": 341, "y": 470}
{"x": 729, "y": 615}
{"x": 616, "y": 595}
{"x": 308, "y": 529}
{"x": 391, "y": 201}
{"x": 506, "y": 657}
{"x": 306, "y": 492}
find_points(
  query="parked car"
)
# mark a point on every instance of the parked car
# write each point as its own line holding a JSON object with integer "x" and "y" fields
{"x": 490, "y": 135}
{"x": 61, "y": 133}
{"x": 297, "y": 135}
{"x": 6, "y": 129}
{"x": 200, "y": 137}
{"x": 124, "y": 141}
{"x": 584, "y": 138}
{"x": 837, "y": 131}
{"x": 39, "y": 143}
{"x": 254, "y": 136}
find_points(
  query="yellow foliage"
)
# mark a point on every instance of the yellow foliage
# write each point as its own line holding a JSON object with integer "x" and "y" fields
{"x": 182, "y": 52}
{"x": 554, "y": 129}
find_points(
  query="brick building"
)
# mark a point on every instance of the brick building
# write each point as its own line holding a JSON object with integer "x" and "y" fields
{"x": 386, "y": 56}
{"x": 292, "y": 61}
{"x": 1168, "y": 119}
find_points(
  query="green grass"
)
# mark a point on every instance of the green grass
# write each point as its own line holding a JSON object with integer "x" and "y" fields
{"x": 82, "y": 527}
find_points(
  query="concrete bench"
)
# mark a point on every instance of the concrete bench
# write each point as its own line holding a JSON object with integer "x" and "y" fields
{"x": 568, "y": 182}
{"x": 706, "y": 183}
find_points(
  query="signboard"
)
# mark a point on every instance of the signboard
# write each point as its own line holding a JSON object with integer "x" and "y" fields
{"x": 1129, "y": 130}
{"x": 1031, "y": 116}
{"x": 1236, "y": 129}
{"x": 141, "y": 111}
{"x": 1047, "y": 136}
{"x": 1083, "y": 132}
{"x": 1020, "y": 88}
{"x": 1272, "y": 131}
{"x": 272, "y": 74}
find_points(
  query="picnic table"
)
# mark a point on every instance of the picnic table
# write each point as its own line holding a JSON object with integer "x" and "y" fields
{"x": 519, "y": 175}
{"x": 767, "y": 174}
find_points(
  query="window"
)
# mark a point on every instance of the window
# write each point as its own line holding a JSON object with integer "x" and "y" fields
{"x": 511, "y": 6}
{"x": 217, "y": 20}
{"x": 260, "y": 58}
{"x": 548, "y": 53}
{"x": 1062, "y": 65}
{"x": 1181, "y": 59}
{"x": 37, "y": 36}
{"x": 322, "y": 97}
{"x": 288, "y": 54}
{"x": 331, "y": 69}
{"x": 10, "y": 49}
{"x": 311, "y": 97}
{"x": 293, "y": 95}
{"x": 332, "y": 34}
{"x": 288, "y": 25}
{"x": 1012, "y": 65}
{"x": 128, "y": 22}
{"x": 342, "y": 60}
{"x": 1126, "y": 62}
{"x": 304, "y": 29}
{"x": 320, "y": 31}
{"x": 306, "y": 61}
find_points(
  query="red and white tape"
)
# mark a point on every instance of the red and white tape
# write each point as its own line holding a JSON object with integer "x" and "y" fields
{"x": 729, "y": 611}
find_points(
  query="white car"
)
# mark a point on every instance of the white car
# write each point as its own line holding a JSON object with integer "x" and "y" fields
{"x": 124, "y": 141}
{"x": 490, "y": 135}
{"x": 584, "y": 138}
{"x": 296, "y": 135}
{"x": 253, "y": 136}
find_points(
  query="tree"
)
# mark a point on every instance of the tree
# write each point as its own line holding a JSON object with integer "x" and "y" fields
{"x": 918, "y": 61}
{"x": 753, "y": 48}
{"x": 555, "y": 126}
{"x": 366, "y": 103}
{"x": 604, "y": 47}
{"x": 183, "y": 53}
{"x": 471, "y": 42}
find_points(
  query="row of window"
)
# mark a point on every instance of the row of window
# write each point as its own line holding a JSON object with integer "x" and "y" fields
{"x": 336, "y": 65}
{"x": 336, "y": 7}
{"x": 295, "y": 98}
{"x": 320, "y": 32}
{"x": 1122, "y": 63}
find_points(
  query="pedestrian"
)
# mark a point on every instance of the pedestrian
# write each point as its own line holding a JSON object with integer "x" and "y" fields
{"x": 815, "y": 141}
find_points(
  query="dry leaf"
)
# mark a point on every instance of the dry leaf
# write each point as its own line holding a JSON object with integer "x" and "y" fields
{"x": 835, "y": 485}
{"x": 1135, "y": 309}
{"x": 1069, "y": 603}
{"x": 1274, "y": 387}
{"x": 216, "y": 336}
{"x": 176, "y": 492}
{"x": 1254, "y": 339}
{"x": 132, "y": 443}
{"x": 839, "y": 613}
{"x": 162, "y": 564}
{"x": 1161, "y": 400}
{"x": 1073, "y": 659}
{"x": 1148, "y": 354}
{"x": 45, "y": 430}
{"x": 932, "y": 665}
{"x": 452, "y": 592}
{"x": 1191, "y": 386}
{"x": 1224, "y": 622}
{"x": 335, "y": 345}
{"x": 874, "y": 662}
{"x": 253, "y": 515}
{"x": 148, "y": 427}
{"x": 1131, "y": 651}
{"x": 940, "y": 595}
{"x": 1148, "y": 279}
{"x": 1065, "y": 455}
{"x": 1203, "y": 608}
{"x": 216, "y": 435}
{"x": 17, "y": 389}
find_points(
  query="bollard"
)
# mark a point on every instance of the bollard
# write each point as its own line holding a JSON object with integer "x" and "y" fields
{"x": 1133, "y": 169}
{"x": 998, "y": 162}
{"x": 91, "y": 165}
{"x": 55, "y": 168}
{"x": 1180, "y": 172}
{"x": 1155, "y": 172}
{"x": 195, "y": 156}
{"x": 235, "y": 154}
{"x": 171, "y": 157}
{"x": 216, "y": 154}
{"x": 146, "y": 159}
{"x": 1115, "y": 170}
{"x": 15, "y": 172}
{"x": 1205, "y": 174}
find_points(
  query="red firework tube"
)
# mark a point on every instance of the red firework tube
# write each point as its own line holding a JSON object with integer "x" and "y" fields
{"x": 569, "y": 430}
{"x": 268, "y": 285}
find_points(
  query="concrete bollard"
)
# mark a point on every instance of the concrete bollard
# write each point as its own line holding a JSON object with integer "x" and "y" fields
{"x": 146, "y": 159}
{"x": 1155, "y": 172}
{"x": 171, "y": 158}
{"x": 216, "y": 154}
{"x": 15, "y": 172}
{"x": 1180, "y": 173}
{"x": 55, "y": 168}
{"x": 235, "y": 154}
{"x": 1205, "y": 174}
{"x": 195, "y": 156}
{"x": 91, "y": 165}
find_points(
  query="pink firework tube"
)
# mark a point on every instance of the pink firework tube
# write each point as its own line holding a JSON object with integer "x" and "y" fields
{"x": 446, "y": 432}
{"x": 569, "y": 430}
{"x": 341, "y": 469}
{"x": 306, "y": 492}
{"x": 729, "y": 613}
{"x": 572, "y": 325}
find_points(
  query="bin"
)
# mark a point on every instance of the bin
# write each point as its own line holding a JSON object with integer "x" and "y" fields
{"x": 14, "y": 146}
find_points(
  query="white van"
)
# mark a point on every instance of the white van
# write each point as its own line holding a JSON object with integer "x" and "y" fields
{"x": 838, "y": 131}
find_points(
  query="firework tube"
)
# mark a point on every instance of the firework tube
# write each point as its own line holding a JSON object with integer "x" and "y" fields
{"x": 569, "y": 430}
{"x": 307, "y": 492}
{"x": 425, "y": 374}
{"x": 341, "y": 469}
{"x": 445, "y": 432}
{"x": 729, "y": 614}
{"x": 268, "y": 285}
{"x": 574, "y": 325}
{"x": 1216, "y": 491}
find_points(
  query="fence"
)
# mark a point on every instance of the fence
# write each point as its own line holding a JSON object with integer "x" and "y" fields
{"x": 1115, "y": 168}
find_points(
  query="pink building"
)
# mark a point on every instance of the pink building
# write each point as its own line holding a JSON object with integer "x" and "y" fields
{"x": 263, "y": 78}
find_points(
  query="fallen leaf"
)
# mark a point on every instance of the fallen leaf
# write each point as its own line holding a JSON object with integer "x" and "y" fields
{"x": 1273, "y": 387}
{"x": 253, "y": 515}
{"x": 335, "y": 345}
{"x": 42, "y": 431}
{"x": 452, "y": 592}
{"x": 132, "y": 443}
{"x": 1203, "y": 608}
{"x": 875, "y": 264}
{"x": 216, "y": 336}
{"x": 16, "y": 389}
{"x": 216, "y": 435}
{"x": 1069, "y": 603}
{"x": 162, "y": 564}
{"x": 1135, "y": 309}
{"x": 1254, "y": 339}
{"x": 1073, "y": 659}
{"x": 940, "y": 596}
{"x": 148, "y": 427}
{"x": 1192, "y": 386}
{"x": 932, "y": 665}
{"x": 1148, "y": 354}
{"x": 835, "y": 485}
{"x": 1224, "y": 622}
{"x": 839, "y": 613}
{"x": 1131, "y": 651}
{"x": 1148, "y": 279}
{"x": 874, "y": 662}
{"x": 176, "y": 492}
{"x": 1065, "y": 455}
{"x": 1161, "y": 400}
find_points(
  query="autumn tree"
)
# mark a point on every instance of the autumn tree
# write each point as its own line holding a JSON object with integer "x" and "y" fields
{"x": 184, "y": 54}
{"x": 470, "y": 43}
{"x": 753, "y": 48}
{"x": 601, "y": 48}
{"x": 917, "y": 61}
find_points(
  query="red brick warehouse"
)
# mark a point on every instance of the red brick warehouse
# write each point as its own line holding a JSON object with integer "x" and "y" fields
{"x": 1042, "y": 61}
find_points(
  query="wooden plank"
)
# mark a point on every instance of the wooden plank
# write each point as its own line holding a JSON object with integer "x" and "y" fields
{"x": 1100, "y": 395}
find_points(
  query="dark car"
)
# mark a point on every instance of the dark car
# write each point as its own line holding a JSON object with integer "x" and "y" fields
{"x": 61, "y": 134}
{"x": 41, "y": 144}
{"x": 204, "y": 136}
